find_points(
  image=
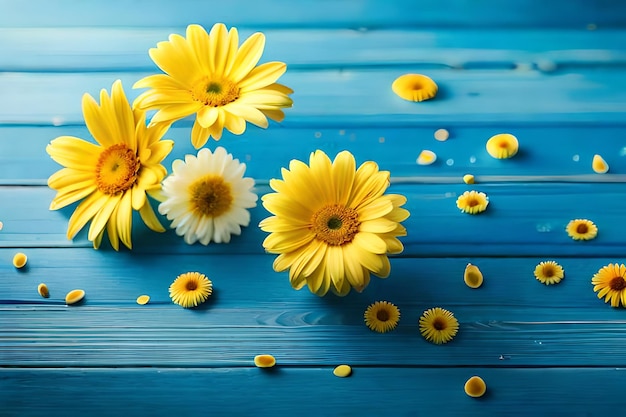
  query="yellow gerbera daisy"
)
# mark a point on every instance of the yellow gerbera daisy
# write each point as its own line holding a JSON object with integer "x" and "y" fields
{"x": 382, "y": 316}
{"x": 472, "y": 202}
{"x": 113, "y": 176}
{"x": 549, "y": 272}
{"x": 332, "y": 224}
{"x": 581, "y": 229}
{"x": 414, "y": 87}
{"x": 191, "y": 289}
{"x": 610, "y": 282}
{"x": 211, "y": 76}
{"x": 438, "y": 325}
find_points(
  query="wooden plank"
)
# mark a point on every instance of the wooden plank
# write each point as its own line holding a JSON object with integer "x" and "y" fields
{"x": 125, "y": 49}
{"x": 511, "y": 321}
{"x": 309, "y": 392}
{"x": 315, "y": 13}
{"x": 363, "y": 97}
{"x": 24, "y": 161}
{"x": 533, "y": 215}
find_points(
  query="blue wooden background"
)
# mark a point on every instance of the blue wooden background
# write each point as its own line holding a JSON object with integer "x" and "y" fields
{"x": 552, "y": 73}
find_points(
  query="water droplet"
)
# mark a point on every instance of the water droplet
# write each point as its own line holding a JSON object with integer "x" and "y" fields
{"x": 544, "y": 227}
{"x": 472, "y": 159}
{"x": 57, "y": 121}
{"x": 576, "y": 158}
{"x": 381, "y": 139}
{"x": 450, "y": 162}
{"x": 318, "y": 135}
{"x": 342, "y": 132}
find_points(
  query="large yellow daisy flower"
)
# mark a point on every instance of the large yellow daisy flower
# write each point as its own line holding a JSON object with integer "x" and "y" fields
{"x": 332, "y": 224}
{"x": 211, "y": 76}
{"x": 113, "y": 176}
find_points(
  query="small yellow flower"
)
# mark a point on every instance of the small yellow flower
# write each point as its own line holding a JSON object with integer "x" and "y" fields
{"x": 191, "y": 289}
{"x": 502, "y": 146}
{"x": 414, "y": 87}
{"x": 610, "y": 282}
{"x": 382, "y": 316}
{"x": 438, "y": 325}
{"x": 472, "y": 202}
{"x": 549, "y": 272}
{"x": 581, "y": 229}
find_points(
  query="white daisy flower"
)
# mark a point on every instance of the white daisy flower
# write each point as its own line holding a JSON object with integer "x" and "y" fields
{"x": 207, "y": 197}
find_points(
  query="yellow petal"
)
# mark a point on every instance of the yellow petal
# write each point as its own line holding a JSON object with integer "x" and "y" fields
{"x": 85, "y": 211}
{"x": 175, "y": 112}
{"x": 97, "y": 123}
{"x": 247, "y": 56}
{"x": 370, "y": 242}
{"x": 102, "y": 216}
{"x": 207, "y": 116}
{"x": 472, "y": 276}
{"x": 150, "y": 219}
{"x": 343, "y": 172}
{"x": 219, "y": 45}
{"x": 199, "y": 135}
{"x": 124, "y": 220}
{"x": 262, "y": 76}
{"x": 599, "y": 165}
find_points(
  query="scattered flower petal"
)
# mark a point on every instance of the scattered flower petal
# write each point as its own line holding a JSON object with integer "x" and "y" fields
{"x": 549, "y": 272}
{"x": 468, "y": 179}
{"x": 207, "y": 197}
{"x": 143, "y": 299}
{"x": 475, "y": 387}
{"x": 610, "y": 282}
{"x": 214, "y": 78}
{"x": 472, "y": 276}
{"x": 472, "y": 202}
{"x": 382, "y": 316}
{"x": 426, "y": 157}
{"x": 264, "y": 361}
{"x": 581, "y": 229}
{"x": 74, "y": 296}
{"x": 42, "y": 289}
{"x": 502, "y": 146}
{"x": 438, "y": 325}
{"x": 342, "y": 371}
{"x": 599, "y": 165}
{"x": 442, "y": 135}
{"x": 190, "y": 289}
{"x": 414, "y": 87}
{"x": 111, "y": 177}
{"x": 19, "y": 260}
{"x": 1, "y": 225}
{"x": 333, "y": 225}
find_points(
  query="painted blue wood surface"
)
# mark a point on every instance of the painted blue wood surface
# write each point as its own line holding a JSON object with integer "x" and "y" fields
{"x": 553, "y": 76}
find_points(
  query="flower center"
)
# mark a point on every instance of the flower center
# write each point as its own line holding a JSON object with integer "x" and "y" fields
{"x": 548, "y": 271}
{"x": 582, "y": 229}
{"x": 335, "y": 224}
{"x": 116, "y": 170}
{"x": 439, "y": 324}
{"x": 191, "y": 285}
{"x": 215, "y": 92}
{"x": 472, "y": 202}
{"x": 210, "y": 195}
{"x": 617, "y": 284}
{"x": 382, "y": 315}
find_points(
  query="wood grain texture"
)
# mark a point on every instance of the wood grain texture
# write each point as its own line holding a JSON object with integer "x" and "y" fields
{"x": 552, "y": 75}
{"x": 312, "y": 392}
{"x": 100, "y": 49}
{"x": 315, "y": 13}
